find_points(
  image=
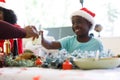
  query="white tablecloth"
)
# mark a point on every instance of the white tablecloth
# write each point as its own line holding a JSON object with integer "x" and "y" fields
{"x": 36, "y": 73}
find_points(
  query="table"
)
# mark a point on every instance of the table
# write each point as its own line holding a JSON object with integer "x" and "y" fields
{"x": 36, "y": 73}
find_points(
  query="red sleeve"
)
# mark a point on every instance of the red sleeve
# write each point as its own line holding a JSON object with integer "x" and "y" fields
{"x": 20, "y": 46}
{"x": 8, "y": 31}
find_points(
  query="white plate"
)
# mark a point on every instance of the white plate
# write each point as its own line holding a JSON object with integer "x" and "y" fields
{"x": 91, "y": 63}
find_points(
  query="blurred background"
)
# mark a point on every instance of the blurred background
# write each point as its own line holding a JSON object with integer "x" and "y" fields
{"x": 54, "y": 15}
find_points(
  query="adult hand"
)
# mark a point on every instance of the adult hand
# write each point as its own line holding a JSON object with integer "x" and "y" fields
{"x": 31, "y": 31}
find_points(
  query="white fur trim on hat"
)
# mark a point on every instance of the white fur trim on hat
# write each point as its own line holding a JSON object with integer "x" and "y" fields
{"x": 2, "y": 4}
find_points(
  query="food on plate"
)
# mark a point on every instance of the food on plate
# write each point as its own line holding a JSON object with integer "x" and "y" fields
{"x": 26, "y": 56}
{"x": 28, "y": 51}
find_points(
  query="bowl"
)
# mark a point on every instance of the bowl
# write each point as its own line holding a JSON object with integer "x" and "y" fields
{"x": 91, "y": 63}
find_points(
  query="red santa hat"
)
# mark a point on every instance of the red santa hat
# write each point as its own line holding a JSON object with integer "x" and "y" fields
{"x": 2, "y": 3}
{"x": 85, "y": 13}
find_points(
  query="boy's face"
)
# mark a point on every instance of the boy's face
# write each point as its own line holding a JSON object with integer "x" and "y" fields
{"x": 80, "y": 26}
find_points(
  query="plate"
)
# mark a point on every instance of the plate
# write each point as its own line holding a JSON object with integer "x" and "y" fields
{"x": 91, "y": 63}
